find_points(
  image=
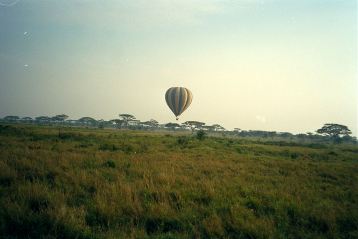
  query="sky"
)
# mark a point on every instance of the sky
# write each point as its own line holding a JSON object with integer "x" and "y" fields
{"x": 277, "y": 65}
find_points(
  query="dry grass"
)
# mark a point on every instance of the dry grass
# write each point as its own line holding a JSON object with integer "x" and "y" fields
{"x": 83, "y": 183}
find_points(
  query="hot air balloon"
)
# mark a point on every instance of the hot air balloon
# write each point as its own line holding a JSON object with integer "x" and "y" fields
{"x": 178, "y": 99}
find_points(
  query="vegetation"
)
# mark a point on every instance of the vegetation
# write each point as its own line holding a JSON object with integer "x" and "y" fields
{"x": 335, "y": 130}
{"x": 172, "y": 126}
{"x": 60, "y": 118}
{"x": 200, "y": 135}
{"x": 126, "y": 118}
{"x": 194, "y": 124}
{"x": 335, "y": 133}
{"x": 98, "y": 183}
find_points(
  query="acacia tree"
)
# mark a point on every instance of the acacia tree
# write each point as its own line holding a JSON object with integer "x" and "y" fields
{"x": 126, "y": 118}
{"x": 11, "y": 118}
{"x": 42, "y": 119}
{"x": 87, "y": 121}
{"x": 172, "y": 125}
{"x": 152, "y": 123}
{"x": 60, "y": 118}
{"x": 194, "y": 125}
{"x": 237, "y": 131}
{"x": 26, "y": 119}
{"x": 335, "y": 131}
{"x": 218, "y": 127}
{"x": 119, "y": 123}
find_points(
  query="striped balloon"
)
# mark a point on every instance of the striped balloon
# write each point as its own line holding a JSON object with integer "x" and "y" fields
{"x": 178, "y": 99}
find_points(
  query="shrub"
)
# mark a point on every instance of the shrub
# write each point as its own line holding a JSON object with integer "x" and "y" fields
{"x": 110, "y": 164}
{"x": 157, "y": 224}
{"x": 200, "y": 135}
{"x": 183, "y": 141}
{"x": 108, "y": 147}
{"x": 97, "y": 218}
{"x": 127, "y": 148}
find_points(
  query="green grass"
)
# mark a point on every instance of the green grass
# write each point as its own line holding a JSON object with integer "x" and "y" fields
{"x": 88, "y": 183}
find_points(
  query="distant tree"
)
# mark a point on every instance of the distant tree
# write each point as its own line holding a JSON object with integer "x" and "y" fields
{"x": 87, "y": 121}
{"x": 26, "y": 119}
{"x": 118, "y": 123}
{"x": 126, "y": 119}
{"x": 237, "y": 130}
{"x": 42, "y": 119}
{"x": 151, "y": 123}
{"x": 271, "y": 134}
{"x": 172, "y": 125}
{"x": 218, "y": 127}
{"x": 243, "y": 133}
{"x": 200, "y": 135}
{"x": 301, "y": 137}
{"x": 134, "y": 124}
{"x": 255, "y": 133}
{"x": 265, "y": 134}
{"x": 60, "y": 118}
{"x": 353, "y": 139}
{"x": 194, "y": 125}
{"x": 349, "y": 139}
{"x": 11, "y": 118}
{"x": 285, "y": 134}
{"x": 101, "y": 123}
{"x": 335, "y": 131}
{"x": 207, "y": 127}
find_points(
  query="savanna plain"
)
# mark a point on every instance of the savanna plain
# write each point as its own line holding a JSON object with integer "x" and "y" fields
{"x": 100, "y": 183}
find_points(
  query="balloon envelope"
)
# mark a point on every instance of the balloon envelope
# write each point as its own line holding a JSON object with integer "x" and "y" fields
{"x": 178, "y": 99}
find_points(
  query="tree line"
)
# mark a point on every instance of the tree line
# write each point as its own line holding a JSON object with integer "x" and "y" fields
{"x": 329, "y": 132}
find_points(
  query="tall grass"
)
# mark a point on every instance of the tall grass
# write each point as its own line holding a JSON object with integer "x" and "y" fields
{"x": 86, "y": 183}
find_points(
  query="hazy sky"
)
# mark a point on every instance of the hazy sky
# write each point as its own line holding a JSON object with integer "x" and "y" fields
{"x": 283, "y": 65}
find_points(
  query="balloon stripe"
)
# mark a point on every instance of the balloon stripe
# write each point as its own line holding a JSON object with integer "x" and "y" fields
{"x": 167, "y": 97}
{"x": 181, "y": 98}
{"x": 172, "y": 100}
{"x": 190, "y": 96}
{"x": 184, "y": 97}
{"x": 177, "y": 97}
{"x": 188, "y": 101}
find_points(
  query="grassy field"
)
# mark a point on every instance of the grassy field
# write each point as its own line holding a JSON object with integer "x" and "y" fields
{"x": 91, "y": 183}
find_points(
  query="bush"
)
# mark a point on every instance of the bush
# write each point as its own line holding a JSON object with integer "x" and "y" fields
{"x": 109, "y": 164}
{"x": 183, "y": 141}
{"x": 201, "y": 134}
{"x": 127, "y": 148}
{"x": 108, "y": 147}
